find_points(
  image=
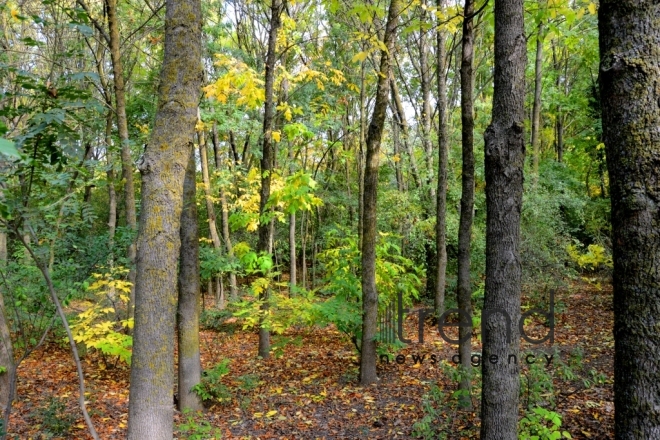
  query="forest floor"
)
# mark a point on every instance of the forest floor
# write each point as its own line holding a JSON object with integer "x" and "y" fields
{"x": 309, "y": 388}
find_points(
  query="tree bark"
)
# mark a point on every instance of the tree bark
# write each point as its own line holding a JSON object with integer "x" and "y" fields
{"x": 122, "y": 125}
{"x": 268, "y": 159}
{"x": 464, "y": 297}
{"x": 163, "y": 168}
{"x": 190, "y": 365}
{"x": 369, "y": 231}
{"x": 401, "y": 116}
{"x": 505, "y": 155}
{"x": 441, "y": 193}
{"x": 630, "y": 97}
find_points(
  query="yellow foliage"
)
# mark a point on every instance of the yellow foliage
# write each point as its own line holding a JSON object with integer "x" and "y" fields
{"x": 98, "y": 327}
{"x": 594, "y": 258}
{"x": 239, "y": 81}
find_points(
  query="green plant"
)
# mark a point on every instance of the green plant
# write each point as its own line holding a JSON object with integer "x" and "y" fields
{"x": 593, "y": 259}
{"x": 195, "y": 428}
{"x": 55, "y": 419}
{"x": 536, "y": 386}
{"x": 211, "y": 387}
{"x": 215, "y": 319}
{"x": 541, "y": 424}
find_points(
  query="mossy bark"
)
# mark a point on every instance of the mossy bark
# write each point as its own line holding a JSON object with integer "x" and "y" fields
{"x": 190, "y": 366}
{"x": 369, "y": 226}
{"x": 630, "y": 97}
{"x": 163, "y": 168}
{"x": 504, "y": 161}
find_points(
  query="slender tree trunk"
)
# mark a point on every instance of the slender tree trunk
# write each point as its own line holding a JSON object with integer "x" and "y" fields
{"x": 425, "y": 84}
{"x": 112, "y": 194}
{"x": 210, "y": 209}
{"x": 505, "y": 156}
{"x": 536, "y": 112}
{"x": 190, "y": 365}
{"x": 369, "y": 232}
{"x": 268, "y": 159}
{"x": 630, "y": 97}
{"x": 122, "y": 125}
{"x": 163, "y": 168}
{"x": 443, "y": 148}
{"x": 6, "y": 348}
{"x": 467, "y": 197}
{"x": 226, "y": 237}
{"x": 401, "y": 116}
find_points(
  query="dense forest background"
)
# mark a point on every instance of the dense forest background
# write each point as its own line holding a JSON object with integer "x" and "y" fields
{"x": 79, "y": 82}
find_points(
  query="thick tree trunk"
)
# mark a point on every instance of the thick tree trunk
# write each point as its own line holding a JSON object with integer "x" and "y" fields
{"x": 443, "y": 148}
{"x": 505, "y": 155}
{"x": 630, "y": 97}
{"x": 122, "y": 125}
{"x": 369, "y": 231}
{"x": 268, "y": 159}
{"x": 467, "y": 196}
{"x": 190, "y": 366}
{"x": 536, "y": 112}
{"x": 163, "y": 168}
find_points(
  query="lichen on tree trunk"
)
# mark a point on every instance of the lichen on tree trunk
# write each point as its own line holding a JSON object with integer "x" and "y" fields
{"x": 163, "y": 168}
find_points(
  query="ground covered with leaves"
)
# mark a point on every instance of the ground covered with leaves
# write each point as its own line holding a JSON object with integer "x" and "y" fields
{"x": 309, "y": 388}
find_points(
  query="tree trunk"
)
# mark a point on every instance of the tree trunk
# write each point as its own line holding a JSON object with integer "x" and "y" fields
{"x": 441, "y": 193}
{"x": 630, "y": 97}
{"x": 369, "y": 231}
{"x": 163, "y": 168}
{"x": 505, "y": 156}
{"x": 233, "y": 288}
{"x": 268, "y": 159}
{"x": 122, "y": 125}
{"x": 210, "y": 209}
{"x": 536, "y": 112}
{"x": 190, "y": 366}
{"x": 6, "y": 348}
{"x": 467, "y": 197}
{"x": 425, "y": 85}
{"x": 401, "y": 116}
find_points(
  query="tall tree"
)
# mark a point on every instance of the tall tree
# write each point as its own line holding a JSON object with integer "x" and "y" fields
{"x": 122, "y": 125}
{"x": 190, "y": 365}
{"x": 268, "y": 155}
{"x": 369, "y": 226}
{"x": 163, "y": 168}
{"x": 505, "y": 155}
{"x": 630, "y": 99}
{"x": 467, "y": 195}
{"x": 536, "y": 111}
{"x": 443, "y": 148}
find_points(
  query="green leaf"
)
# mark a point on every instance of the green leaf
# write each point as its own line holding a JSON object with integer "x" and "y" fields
{"x": 8, "y": 149}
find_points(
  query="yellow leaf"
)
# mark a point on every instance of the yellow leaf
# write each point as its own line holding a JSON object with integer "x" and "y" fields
{"x": 360, "y": 56}
{"x": 276, "y": 136}
{"x": 271, "y": 413}
{"x": 592, "y": 8}
{"x": 14, "y": 14}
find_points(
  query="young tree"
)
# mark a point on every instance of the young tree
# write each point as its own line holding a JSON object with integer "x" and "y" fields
{"x": 443, "y": 148}
{"x": 630, "y": 99}
{"x": 268, "y": 156}
{"x": 163, "y": 168}
{"x": 369, "y": 227}
{"x": 505, "y": 155}
{"x": 467, "y": 194}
